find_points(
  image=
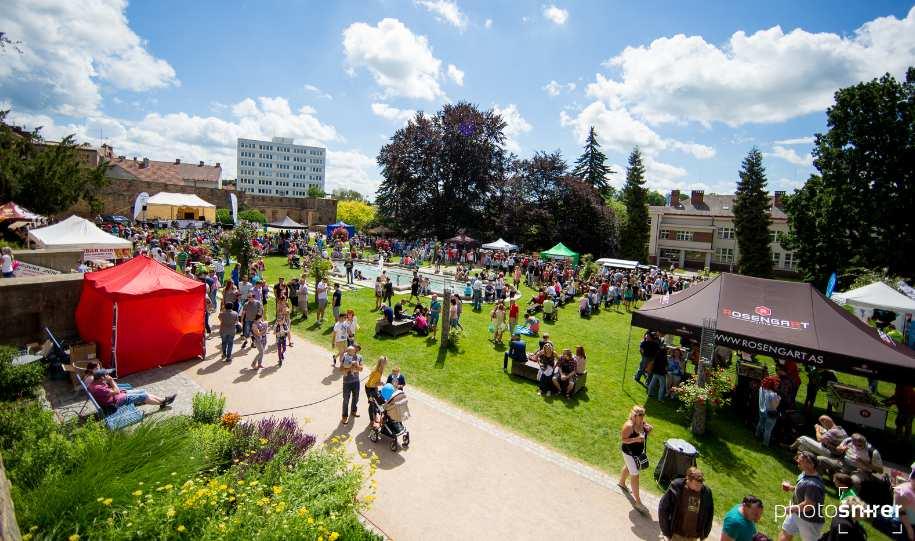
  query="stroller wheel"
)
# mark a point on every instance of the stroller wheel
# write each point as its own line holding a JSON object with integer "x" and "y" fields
{"x": 374, "y": 436}
{"x": 394, "y": 446}
{"x": 406, "y": 440}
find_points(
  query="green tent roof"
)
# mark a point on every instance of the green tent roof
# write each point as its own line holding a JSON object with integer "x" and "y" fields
{"x": 561, "y": 250}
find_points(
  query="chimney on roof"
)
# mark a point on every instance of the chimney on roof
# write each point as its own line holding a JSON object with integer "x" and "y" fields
{"x": 778, "y": 199}
{"x": 177, "y": 161}
{"x": 134, "y": 158}
{"x": 675, "y": 198}
{"x": 145, "y": 162}
{"x": 695, "y": 198}
{"x": 200, "y": 164}
{"x": 121, "y": 158}
{"x": 217, "y": 164}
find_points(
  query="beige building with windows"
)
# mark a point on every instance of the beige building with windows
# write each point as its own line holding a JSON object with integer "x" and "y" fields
{"x": 698, "y": 233}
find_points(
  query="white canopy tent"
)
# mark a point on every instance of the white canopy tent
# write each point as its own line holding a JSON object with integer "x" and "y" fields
{"x": 881, "y": 296}
{"x": 500, "y": 245}
{"x": 179, "y": 206}
{"x": 617, "y": 263}
{"x": 76, "y": 232}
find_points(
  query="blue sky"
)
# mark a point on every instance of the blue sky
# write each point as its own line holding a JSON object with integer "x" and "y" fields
{"x": 695, "y": 85}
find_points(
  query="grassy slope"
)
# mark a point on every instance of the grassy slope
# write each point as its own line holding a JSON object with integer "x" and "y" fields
{"x": 585, "y": 427}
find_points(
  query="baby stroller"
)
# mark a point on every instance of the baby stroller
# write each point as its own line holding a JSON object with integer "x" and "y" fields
{"x": 295, "y": 262}
{"x": 392, "y": 411}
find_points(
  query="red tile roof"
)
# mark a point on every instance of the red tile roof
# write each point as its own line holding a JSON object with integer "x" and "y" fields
{"x": 170, "y": 172}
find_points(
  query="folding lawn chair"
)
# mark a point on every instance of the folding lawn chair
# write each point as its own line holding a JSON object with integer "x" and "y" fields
{"x": 123, "y": 416}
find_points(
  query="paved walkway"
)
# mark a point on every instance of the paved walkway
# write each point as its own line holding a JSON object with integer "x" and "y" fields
{"x": 461, "y": 478}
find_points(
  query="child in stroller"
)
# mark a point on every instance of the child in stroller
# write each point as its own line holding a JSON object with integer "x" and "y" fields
{"x": 388, "y": 415}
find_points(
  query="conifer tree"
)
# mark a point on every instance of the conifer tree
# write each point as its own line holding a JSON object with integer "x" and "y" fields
{"x": 592, "y": 166}
{"x": 752, "y": 219}
{"x": 634, "y": 235}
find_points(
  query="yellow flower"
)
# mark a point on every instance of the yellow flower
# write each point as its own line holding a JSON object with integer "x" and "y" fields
{"x": 253, "y": 483}
{"x": 27, "y": 537}
{"x": 181, "y": 528}
{"x": 263, "y": 441}
{"x": 369, "y": 498}
{"x": 106, "y": 501}
{"x": 277, "y": 490}
{"x": 74, "y": 537}
{"x": 320, "y": 538}
{"x": 311, "y": 520}
{"x": 241, "y": 481}
{"x": 333, "y": 536}
{"x": 137, "y": 493}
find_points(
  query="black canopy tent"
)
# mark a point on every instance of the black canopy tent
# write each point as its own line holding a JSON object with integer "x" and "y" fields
{"x": 287, "y": 223}
{"x": 789, "y": 320}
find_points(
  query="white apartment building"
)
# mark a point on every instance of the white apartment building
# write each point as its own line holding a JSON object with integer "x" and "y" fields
{"x": 279, "y": 167}
{"x": 699, "y": 232}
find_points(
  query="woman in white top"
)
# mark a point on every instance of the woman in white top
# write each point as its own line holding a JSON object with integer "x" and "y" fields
{"x": 6, "y": 262}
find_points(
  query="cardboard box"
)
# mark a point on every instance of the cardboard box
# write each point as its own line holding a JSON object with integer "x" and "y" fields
{"x": 83, "y": 352}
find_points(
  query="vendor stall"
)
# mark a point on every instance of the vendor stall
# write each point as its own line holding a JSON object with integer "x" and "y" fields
{"x": 350, "y": 229}
{"x": 500, "y": 245}
{"x": 141, "y": 314}
{"x": 179, "y": 207}
{"x": 287, "y": 223}
{"x": 879, "y": 296}
{"x": 462, "y": 239}
{"x": 76, "y": 232}
{"x": 560, "y": 251}
{"x": 788, "y": 320}
{"x": 617, "y": 263}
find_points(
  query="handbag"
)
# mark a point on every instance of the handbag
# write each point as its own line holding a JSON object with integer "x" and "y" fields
{"x": 642, "y": 460}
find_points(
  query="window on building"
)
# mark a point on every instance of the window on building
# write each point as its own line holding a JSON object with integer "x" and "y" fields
{"x": 790, "y": 261}
{"x": 776, "y": 259}
{"x": 724, "y": 255}
{"x": 775, "y": 236}
{"x": 684, "y": 235}
{"x": 725, "y": 233}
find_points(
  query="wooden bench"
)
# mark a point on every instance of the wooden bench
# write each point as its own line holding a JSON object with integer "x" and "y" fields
{"x": 395, "y": 329}
{"x": 529, "y": 370}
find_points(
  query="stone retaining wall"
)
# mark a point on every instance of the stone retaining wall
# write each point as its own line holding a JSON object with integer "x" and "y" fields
{"x": 32, "y": 303}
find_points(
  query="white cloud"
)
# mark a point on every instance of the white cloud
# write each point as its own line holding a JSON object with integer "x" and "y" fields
{"x": 353, "y": 170}
{"x": 555, "y": 14}
{"x": 488, "y": 24}
{"x": 455, "y": 74}
{"x": 797, "y": 141}
{"x": 768, "y": 76}
{"x": 554, "y": 89}
{"x": 318, "y": 92}
{"x": 447, "y": 11}
{"x": 619, "y": 130}
{"x": 68, "y": 50}
{"x": 515, "y": 125}
{"x": 392, "y": 113}
{"x": 192, "y": 137}
{"x": 401, "y": 62}
{"x": 790, "y": 156}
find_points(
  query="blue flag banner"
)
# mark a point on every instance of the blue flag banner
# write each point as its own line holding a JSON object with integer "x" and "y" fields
{"x": 831, "y": 285}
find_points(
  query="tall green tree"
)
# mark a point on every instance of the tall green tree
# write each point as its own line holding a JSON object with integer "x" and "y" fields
{"x": 592, "y": 166}
{"x": 634, "y": 234}
{"x": 46, "y": 178}
{"x": 859, "y": 211}
{"x": 587, "y": 224}
{"x": 345, "y": 194}
{"x": 752, "y": 218}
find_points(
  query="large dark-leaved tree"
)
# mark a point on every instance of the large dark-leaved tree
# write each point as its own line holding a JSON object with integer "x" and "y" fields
{"x": 752, "y": 219}
{"x": 47, "y": 178}
{"x": 859, "y": 211}
{"x": 439, "y": 171}
{"x": 592, "y": 166}
{"x": 586, "y": 223}
{"x": 634, "y": 234}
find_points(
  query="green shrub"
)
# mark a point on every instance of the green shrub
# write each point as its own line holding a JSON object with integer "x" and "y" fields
{"x": 37, "y": 448}
{"x": 208, "y": 407}
{"x": 216, "y": 442}
{"x": 18, "y": 381}
{"x": 113, "y": 466}
{"x": 317, "y": 498}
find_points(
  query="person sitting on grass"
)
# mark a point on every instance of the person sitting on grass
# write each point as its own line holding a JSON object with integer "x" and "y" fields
{"x": 399, "y": 314}
{"x": 549, "y": 310}
{"x": 581, "y": 361}
{"x": 584, "y": 306}
{"x": 420, "y": 323}
{"x": 564, "y": 377}
{"x": 829, "y": 436}
{"x": 110, "y": 397}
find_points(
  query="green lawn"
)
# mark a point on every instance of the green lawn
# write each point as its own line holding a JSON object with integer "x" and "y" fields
{"x": 585, "y": 427}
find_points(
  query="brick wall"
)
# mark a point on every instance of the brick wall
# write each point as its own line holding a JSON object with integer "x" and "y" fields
{"x": 32, "y": 303}
{"x": 119, "y": 196}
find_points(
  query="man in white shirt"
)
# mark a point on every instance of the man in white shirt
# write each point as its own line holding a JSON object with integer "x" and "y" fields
{"x": 340, "y": 337}
{"x": 477, "y": 287}
{"x": 321, "y": 292}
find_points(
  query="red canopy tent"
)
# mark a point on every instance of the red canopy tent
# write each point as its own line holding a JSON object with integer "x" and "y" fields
{"x": 141, "y": 314}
